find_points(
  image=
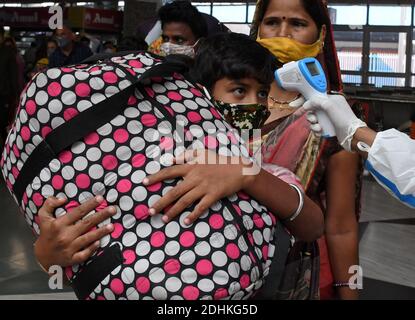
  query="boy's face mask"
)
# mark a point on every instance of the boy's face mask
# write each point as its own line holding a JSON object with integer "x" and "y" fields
{"x": 243, "y": 116}
{"x": 168, "y": 48}
{"x": 287, "y": 50}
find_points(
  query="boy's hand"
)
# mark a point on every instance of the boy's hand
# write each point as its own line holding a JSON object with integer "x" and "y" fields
{"x": 208, "y": 177}
{"x": 67, "y": 240}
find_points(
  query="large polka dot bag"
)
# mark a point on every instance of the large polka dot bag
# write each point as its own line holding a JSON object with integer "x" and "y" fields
{"x": 98, "y": 129}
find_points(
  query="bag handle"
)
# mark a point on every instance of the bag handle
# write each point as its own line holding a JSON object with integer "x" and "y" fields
{"x": 84, "y": 123}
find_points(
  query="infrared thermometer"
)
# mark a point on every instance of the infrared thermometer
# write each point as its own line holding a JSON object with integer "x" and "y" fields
{"x": 307, "y": 77}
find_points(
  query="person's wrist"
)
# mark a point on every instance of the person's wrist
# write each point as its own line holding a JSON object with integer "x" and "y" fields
{"x": 249, "y": 172}
{"x": 41, "y": 259}
{"x": 348, "y": 133}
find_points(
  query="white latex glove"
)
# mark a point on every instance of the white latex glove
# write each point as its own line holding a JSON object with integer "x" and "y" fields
{"x": 341, "y": 115}
{"x": 297, "y": 103}
{"x": 314, "y": 124}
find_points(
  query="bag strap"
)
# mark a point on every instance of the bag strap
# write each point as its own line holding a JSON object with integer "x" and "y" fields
{"x": 105, "y": 56}
{"x": 84, "y": 123}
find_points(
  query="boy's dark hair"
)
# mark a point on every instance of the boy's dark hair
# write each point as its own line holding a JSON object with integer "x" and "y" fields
{"x": 234, "y": 56}
{"x": 183, "y": 11}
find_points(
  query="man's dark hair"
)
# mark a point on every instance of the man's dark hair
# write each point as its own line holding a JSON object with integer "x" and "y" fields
{"x": 85, "y": 39}
{"x": 108, "y": 42}
{"x": 233, "y": 56}
{"x": 183, "y": 11}
{"x": 132, "y": 43}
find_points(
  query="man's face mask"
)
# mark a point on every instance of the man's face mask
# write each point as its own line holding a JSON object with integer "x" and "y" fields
{"x": 62, "y": 41}
{"x": 243, "y": 116}
{"x": 168, "y": 48}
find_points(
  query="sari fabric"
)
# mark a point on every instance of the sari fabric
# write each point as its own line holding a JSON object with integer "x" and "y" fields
{"x": 291, "y": 144}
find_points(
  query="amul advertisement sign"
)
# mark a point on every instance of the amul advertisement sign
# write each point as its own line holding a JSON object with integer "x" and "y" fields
{"x": 79, "y": 18}
{"x": 95, "y": 19}
{"x": 30, "y": 18}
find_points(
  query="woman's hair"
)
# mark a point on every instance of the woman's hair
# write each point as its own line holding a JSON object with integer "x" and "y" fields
{"x": 316, "y": 10}
{"x": 183, "y": 11}
{"x": 234, "y": 56}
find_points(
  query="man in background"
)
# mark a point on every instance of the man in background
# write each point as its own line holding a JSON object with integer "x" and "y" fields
{"x": 68, "y": 51}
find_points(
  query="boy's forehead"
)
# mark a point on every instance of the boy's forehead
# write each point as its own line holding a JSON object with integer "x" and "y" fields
{"x": 251, "y": 81}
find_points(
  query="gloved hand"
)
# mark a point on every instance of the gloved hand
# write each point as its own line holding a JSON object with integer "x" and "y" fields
{"x": 311, "y": 116}
{"x": 314, "y": 124}
{"x": 341, "y": 115}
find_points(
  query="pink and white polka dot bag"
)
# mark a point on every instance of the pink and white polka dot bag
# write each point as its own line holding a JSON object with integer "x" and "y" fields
{"x": 99, "y": 129}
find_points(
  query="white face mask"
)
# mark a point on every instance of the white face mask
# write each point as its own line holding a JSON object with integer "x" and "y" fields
{"x": 168, "y": 48}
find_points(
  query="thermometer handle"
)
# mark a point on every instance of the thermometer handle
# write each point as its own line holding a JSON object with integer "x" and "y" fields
{"x": 326, "y": 125}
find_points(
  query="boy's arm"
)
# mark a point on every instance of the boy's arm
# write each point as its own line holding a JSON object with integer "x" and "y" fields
{"x": 279, "y": 197}
{"x": 208, "y": 183}
{"x": 283, "y": 173}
